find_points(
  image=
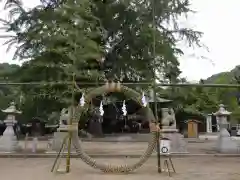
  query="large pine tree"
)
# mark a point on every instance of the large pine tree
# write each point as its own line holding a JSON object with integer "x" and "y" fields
{"x": 58, "y": 40}
{"x": 75, "y": 30}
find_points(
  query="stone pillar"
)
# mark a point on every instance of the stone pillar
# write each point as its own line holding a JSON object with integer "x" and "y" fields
{"x": 209, "y": 123}
{"x": 217, "y": 125}
{"x": 34, "y": 144}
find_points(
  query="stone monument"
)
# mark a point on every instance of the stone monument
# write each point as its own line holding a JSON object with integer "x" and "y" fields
{"x": 170, "y": 131}
{"x": 224, "y": 142}
{"x": 8, "y": 142}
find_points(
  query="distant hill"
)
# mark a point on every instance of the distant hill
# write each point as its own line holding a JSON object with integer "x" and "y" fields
{"x": 226, "y": 77}
{"x": 7, "y": 70}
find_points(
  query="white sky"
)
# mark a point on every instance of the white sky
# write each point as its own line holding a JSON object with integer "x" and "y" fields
{"x": 217, "y": 19}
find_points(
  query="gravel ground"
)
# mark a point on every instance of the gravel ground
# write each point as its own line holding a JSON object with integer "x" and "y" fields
{"x": 197, "y": 168}
{"x": 127, "y": 147}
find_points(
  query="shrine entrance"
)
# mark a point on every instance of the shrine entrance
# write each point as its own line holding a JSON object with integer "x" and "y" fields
{"x": 113, "y": 121}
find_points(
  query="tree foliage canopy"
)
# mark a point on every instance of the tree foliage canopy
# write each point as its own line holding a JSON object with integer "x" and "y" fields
{"x": 120, "y": 33}
{"x": 96, "y": 40}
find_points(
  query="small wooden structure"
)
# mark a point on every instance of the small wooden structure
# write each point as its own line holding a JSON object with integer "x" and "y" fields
{"x": 192, "y": 128}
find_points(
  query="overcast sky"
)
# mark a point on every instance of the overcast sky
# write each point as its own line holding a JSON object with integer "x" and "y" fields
{"x": 217, "y": 19}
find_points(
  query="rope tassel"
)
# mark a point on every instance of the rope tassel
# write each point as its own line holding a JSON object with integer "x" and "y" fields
{"x": 101, "y": 109}
{"x": 82, "y": 100}
{"x": 144, "y": 101}
{"x": 124, "y": 109}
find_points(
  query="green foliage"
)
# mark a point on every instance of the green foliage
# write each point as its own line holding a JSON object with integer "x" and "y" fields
{"x": 227, "y": 96}
{"x": 7, "y": 70}
{"x": 129, "y": 27}
{"x": 124, "y": 29}
{"x": 202, "y": 100}
{"x": 236, "y": 115}
{"x": 59, "y": 41}
{"x": 94, "y": 40}
{"x": 192, "y": 100}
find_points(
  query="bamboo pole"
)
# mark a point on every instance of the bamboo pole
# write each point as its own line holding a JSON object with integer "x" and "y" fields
{"x": 68, "y": 159}
{"x": 61, "y": 151}
{"x": 155, "y": 86}
{"x": 126, "y": 83}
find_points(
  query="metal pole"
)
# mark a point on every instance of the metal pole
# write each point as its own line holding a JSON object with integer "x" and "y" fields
{"x": 154, "y": 86}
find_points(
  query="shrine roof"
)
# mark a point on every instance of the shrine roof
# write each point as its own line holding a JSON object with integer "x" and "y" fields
{"x": 192, "y": 120}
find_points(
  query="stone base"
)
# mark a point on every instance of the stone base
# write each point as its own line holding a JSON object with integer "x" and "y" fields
{"x": 8, "y": 143}
{"x": 57, "y": 141}
{"x": 225, "y": 144}
{"x": 178, "y": 144}
{"x": 168, "y": 130}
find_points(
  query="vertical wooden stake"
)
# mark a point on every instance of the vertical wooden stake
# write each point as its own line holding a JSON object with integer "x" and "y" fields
{"x": 68, "y": 161}
{"x": 158, "y": 153}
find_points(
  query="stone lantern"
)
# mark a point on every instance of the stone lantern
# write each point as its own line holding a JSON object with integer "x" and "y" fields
{"x": 222, "y": 117}
{"x": 224, "y": 142}
{"x": 8, "y": 142}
